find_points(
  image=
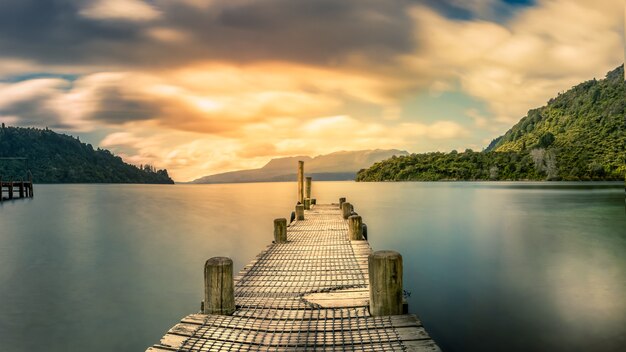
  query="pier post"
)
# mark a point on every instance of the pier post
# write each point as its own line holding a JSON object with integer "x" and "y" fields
{"x": 355, "y": 228}
{"x": 280, "y": 230}
{"x": 301, "y": 182}
{"x": 385, "y": 278}
{"x": 30, "y": 184}
{"x": 313, "y": 201}
{"x": 300, "y": 212}
{"x": 11, "y": 189}
{"x": 341, "y": 201}
{"x": 346, "y": 209}
{"x": 307, "y": 203}
{"x": 1, "y": 190}
{"x": 21, "y": 189}
{"x": 307, "y": 189}
{"x": 219, "y": 294}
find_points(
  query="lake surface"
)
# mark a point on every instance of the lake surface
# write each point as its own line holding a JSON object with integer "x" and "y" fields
{"x": 489, "y": 266}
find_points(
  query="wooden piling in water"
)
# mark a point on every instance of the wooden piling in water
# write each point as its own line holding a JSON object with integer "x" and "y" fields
{"x": 21, "y": 189}
{"x": 355, "y": 228}
{"x": 280, "y": 230}
{"x": 301, "y": 182}
{"x": 11, "y": 189}
{"x": 341, "y": 201}
{"x": 346, "y": 209}
{"x": 219, "y": 296}
{"x": 307, "y": 203}
{"x": 385, "y": 279}
{"x": 300, "y": 212}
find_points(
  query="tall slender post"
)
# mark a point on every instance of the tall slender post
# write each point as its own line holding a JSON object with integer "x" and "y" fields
{"x": 21, "y": 186}
{"x": 307, "y": 193}
{"x": 385, "y": 277}
{"x": 301, "y": 182}
{"x": 30, "y": 180}
{"x": 355, "y": 228}
{"x": 346, "y": 210}
{"x": 11, "y": 189}
{"x": 341, "y": 201}
{"x": 219, "y": 294}
{"x": 280, "y": 230}
{"x": 1, "y": 190}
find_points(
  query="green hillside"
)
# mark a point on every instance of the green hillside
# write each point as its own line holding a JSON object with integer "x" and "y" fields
{"x": 59, "y": 158}
{"x": 579, "y": 135}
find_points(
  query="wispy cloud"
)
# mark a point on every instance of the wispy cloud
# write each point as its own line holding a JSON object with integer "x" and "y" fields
{"x": 202, "y": 86}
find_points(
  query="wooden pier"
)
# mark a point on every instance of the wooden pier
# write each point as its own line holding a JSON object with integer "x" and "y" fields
{"x": 15, "y": 189}
{"x": 318, "y": 286}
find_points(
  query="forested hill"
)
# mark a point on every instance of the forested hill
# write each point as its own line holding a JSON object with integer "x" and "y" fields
{"x": 579, "y": 135}
{"x": 59, "y": 158}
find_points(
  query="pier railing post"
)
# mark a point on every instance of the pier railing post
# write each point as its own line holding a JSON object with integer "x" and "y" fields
{"x": 385, "y": 278}
{"x": 307, "y": 203}
{"x": 301, "y": 182}
{"x": 30, "y": 185}
{"x": 355, "y": 228}
{"x": 300, "y": 212}
{"x": 280, "y": 230}
{"x": 307, "y": 193}
{"x": 21, "y": 189}
{"x": 11, "y": 189}
{"x": 219, "y": 294}
{"x": 346, "y": 210}
{"x": 341, "y": 201}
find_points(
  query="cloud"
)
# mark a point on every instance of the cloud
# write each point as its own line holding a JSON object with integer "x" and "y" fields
{"x": 125, "y": 10}
{"x": 113, "y": 33}
{"x": 520, "y": 64}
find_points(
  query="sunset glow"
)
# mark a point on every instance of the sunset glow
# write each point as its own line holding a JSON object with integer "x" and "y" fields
{"x": 207, "y": 86}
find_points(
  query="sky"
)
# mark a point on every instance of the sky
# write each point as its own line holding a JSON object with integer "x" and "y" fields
{"x": 207, "y": 86}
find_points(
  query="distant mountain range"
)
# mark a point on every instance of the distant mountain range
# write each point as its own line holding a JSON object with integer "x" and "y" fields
{"x": 59, "y": 158}
{"x": 330, "y": 167}
{"x": 577, "y": 135}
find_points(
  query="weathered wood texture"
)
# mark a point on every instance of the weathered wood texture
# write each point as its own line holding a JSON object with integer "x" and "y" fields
{"x": 307, "y": 189}
{"x": 219, "y": 295}
{"x": 308, "y": 294}
{"x": 300, "y": 212}
{"x": 280, "y": 230}
{"x": 301, "y": 182}
{"x": 385, "y": 268}
{"x": 355, "y": 228}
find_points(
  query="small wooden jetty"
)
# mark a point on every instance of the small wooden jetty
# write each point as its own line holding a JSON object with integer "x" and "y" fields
{"x": 318, "y": 286}
{"x": 16, "y": 187}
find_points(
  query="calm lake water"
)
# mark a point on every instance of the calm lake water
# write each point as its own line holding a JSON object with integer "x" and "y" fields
{"x": 490, "y": 266}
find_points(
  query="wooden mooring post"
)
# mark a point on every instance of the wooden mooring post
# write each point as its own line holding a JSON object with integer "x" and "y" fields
{"x": 385, "y": 279}
{"x": 280, "y": 230}
{"x": 300, "y": 212}
{"x": 346, "y": 210}
{"x": 307, "y": 193}
{"x": 219, "y": 296}
{"x": 323, "y": 289}
{"x": 301, "y": 182}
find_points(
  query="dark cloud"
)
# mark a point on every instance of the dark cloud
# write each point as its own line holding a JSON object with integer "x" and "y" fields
{"x": 324, "y": 32}
{"x": 116, "y": 108}
{"x": 34, "y": 113}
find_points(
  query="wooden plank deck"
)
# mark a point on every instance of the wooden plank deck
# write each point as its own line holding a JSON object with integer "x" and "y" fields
{"x": 310, "y": 293}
